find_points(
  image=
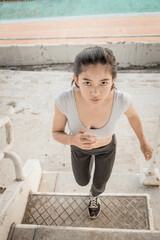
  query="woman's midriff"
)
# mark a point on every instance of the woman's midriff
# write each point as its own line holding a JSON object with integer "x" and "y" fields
{"x": 103, "y": 142}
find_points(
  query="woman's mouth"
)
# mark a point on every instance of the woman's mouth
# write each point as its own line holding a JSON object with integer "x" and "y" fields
{"x": 95, "y": 99}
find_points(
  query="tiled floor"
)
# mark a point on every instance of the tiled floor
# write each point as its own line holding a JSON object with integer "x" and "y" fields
{"x": 88, "y": 29}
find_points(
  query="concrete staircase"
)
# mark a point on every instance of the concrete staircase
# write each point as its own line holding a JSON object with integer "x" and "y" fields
{"x": 58, "y": 210}
{"x": 29, "y": 232}
{"x": 144, "y": 88}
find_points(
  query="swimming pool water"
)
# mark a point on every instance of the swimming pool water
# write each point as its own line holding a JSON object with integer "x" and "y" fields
{"x": 64, "y": 8}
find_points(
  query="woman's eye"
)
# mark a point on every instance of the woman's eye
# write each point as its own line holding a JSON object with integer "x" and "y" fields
{"x": 87, "y": 83}
{"x": 103, "y": 83}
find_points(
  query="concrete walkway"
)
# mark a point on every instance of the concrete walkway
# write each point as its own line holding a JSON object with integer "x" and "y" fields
{"x": 32, "y": 93}
{"x": 82, "y": 30}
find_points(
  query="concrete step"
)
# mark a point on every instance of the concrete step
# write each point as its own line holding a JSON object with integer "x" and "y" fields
{"x": 117, "y": 211}
{"x": 60, "y": 212}
{"x": 34, "y": 232}
{"x": 63, "y": 182}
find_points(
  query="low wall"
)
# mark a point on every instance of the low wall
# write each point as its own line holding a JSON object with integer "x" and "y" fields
{"x": 127, "y": 54}
{"x": 13, "y": 201}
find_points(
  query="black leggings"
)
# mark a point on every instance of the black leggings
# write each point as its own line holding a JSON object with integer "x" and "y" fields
{"x": 82, "y": 161}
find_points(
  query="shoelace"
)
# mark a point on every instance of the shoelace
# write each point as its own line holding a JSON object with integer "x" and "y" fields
{"x": 93, "y": 202}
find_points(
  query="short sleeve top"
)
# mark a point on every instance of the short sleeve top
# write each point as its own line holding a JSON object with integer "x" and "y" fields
{"x": 66, "y": 103}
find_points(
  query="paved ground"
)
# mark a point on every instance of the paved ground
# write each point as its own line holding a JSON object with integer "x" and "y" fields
{"x": 83, "y": 29}
{"x": 32, "y": 95}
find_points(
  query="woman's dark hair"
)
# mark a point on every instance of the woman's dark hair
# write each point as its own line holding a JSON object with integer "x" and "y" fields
{"x": 95, "y": 55}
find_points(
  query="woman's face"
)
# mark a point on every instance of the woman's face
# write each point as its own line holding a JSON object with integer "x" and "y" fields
{"x": 95, "y": 83}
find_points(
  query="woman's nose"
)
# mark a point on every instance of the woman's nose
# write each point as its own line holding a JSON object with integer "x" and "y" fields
{"x": 95, "y": 91}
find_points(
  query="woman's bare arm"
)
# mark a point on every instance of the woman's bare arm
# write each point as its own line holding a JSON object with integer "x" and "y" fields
{"x": 58, "y": 128}
{"x": 82, "y": 140}
{"x": 136, "y": 124}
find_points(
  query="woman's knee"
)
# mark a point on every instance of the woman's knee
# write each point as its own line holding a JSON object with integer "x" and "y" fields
{"x": 82, "y": 181}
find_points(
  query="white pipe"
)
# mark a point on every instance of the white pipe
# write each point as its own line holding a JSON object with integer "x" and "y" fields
{"x": 6, "y": 153}
{"x": 5, "y": 121}
{"x": 1, "y": 155}
{"x": 17, "y": 164}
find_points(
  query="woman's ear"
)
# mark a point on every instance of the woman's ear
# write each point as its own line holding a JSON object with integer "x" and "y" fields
{"x": 113, "y": 86}
{"x": 75, "y": 79}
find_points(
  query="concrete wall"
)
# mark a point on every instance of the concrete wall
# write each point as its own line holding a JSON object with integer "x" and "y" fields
{"x": 13, "y": 201}
{"x": 127, "y": 54}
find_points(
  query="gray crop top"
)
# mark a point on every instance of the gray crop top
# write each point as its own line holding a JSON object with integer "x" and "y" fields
{"x": 66, "y": 103}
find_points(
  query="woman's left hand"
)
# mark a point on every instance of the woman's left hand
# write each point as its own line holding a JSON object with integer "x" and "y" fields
{"x": 147, "y": 150}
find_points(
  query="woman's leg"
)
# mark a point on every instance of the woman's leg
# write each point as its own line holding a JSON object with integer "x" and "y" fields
{"x": 103, "y": 167}
{"x": 81, "y": 165}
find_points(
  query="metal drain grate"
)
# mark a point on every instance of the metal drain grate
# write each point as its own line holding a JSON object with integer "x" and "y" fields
{"x": 122, "y": 212}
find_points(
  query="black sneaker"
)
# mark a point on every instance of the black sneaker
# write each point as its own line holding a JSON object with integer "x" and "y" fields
{"x": 94, "y": 207}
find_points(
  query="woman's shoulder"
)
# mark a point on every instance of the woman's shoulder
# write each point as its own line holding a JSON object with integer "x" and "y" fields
{"x": 64, "y": 94}
{"x": 63, "y": 100}
{"x": 122, "y": 95}
{"x": 123, "y": 99}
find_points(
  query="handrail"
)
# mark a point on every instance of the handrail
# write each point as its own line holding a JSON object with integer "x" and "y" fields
{"x": 7, "y": 153}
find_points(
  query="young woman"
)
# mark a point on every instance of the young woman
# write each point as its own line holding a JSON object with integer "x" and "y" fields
{"x": 92, "y": 108}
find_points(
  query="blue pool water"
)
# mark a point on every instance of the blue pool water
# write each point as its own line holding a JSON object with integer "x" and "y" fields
{"x": 65, "y": 8}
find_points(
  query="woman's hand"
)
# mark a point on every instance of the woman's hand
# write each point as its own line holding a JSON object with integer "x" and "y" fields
{"x": 84, "y": 141}
{"x": 147, "y": 150}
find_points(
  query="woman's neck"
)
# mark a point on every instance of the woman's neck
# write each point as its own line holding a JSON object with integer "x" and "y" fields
{"x": 108, "y": 100}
